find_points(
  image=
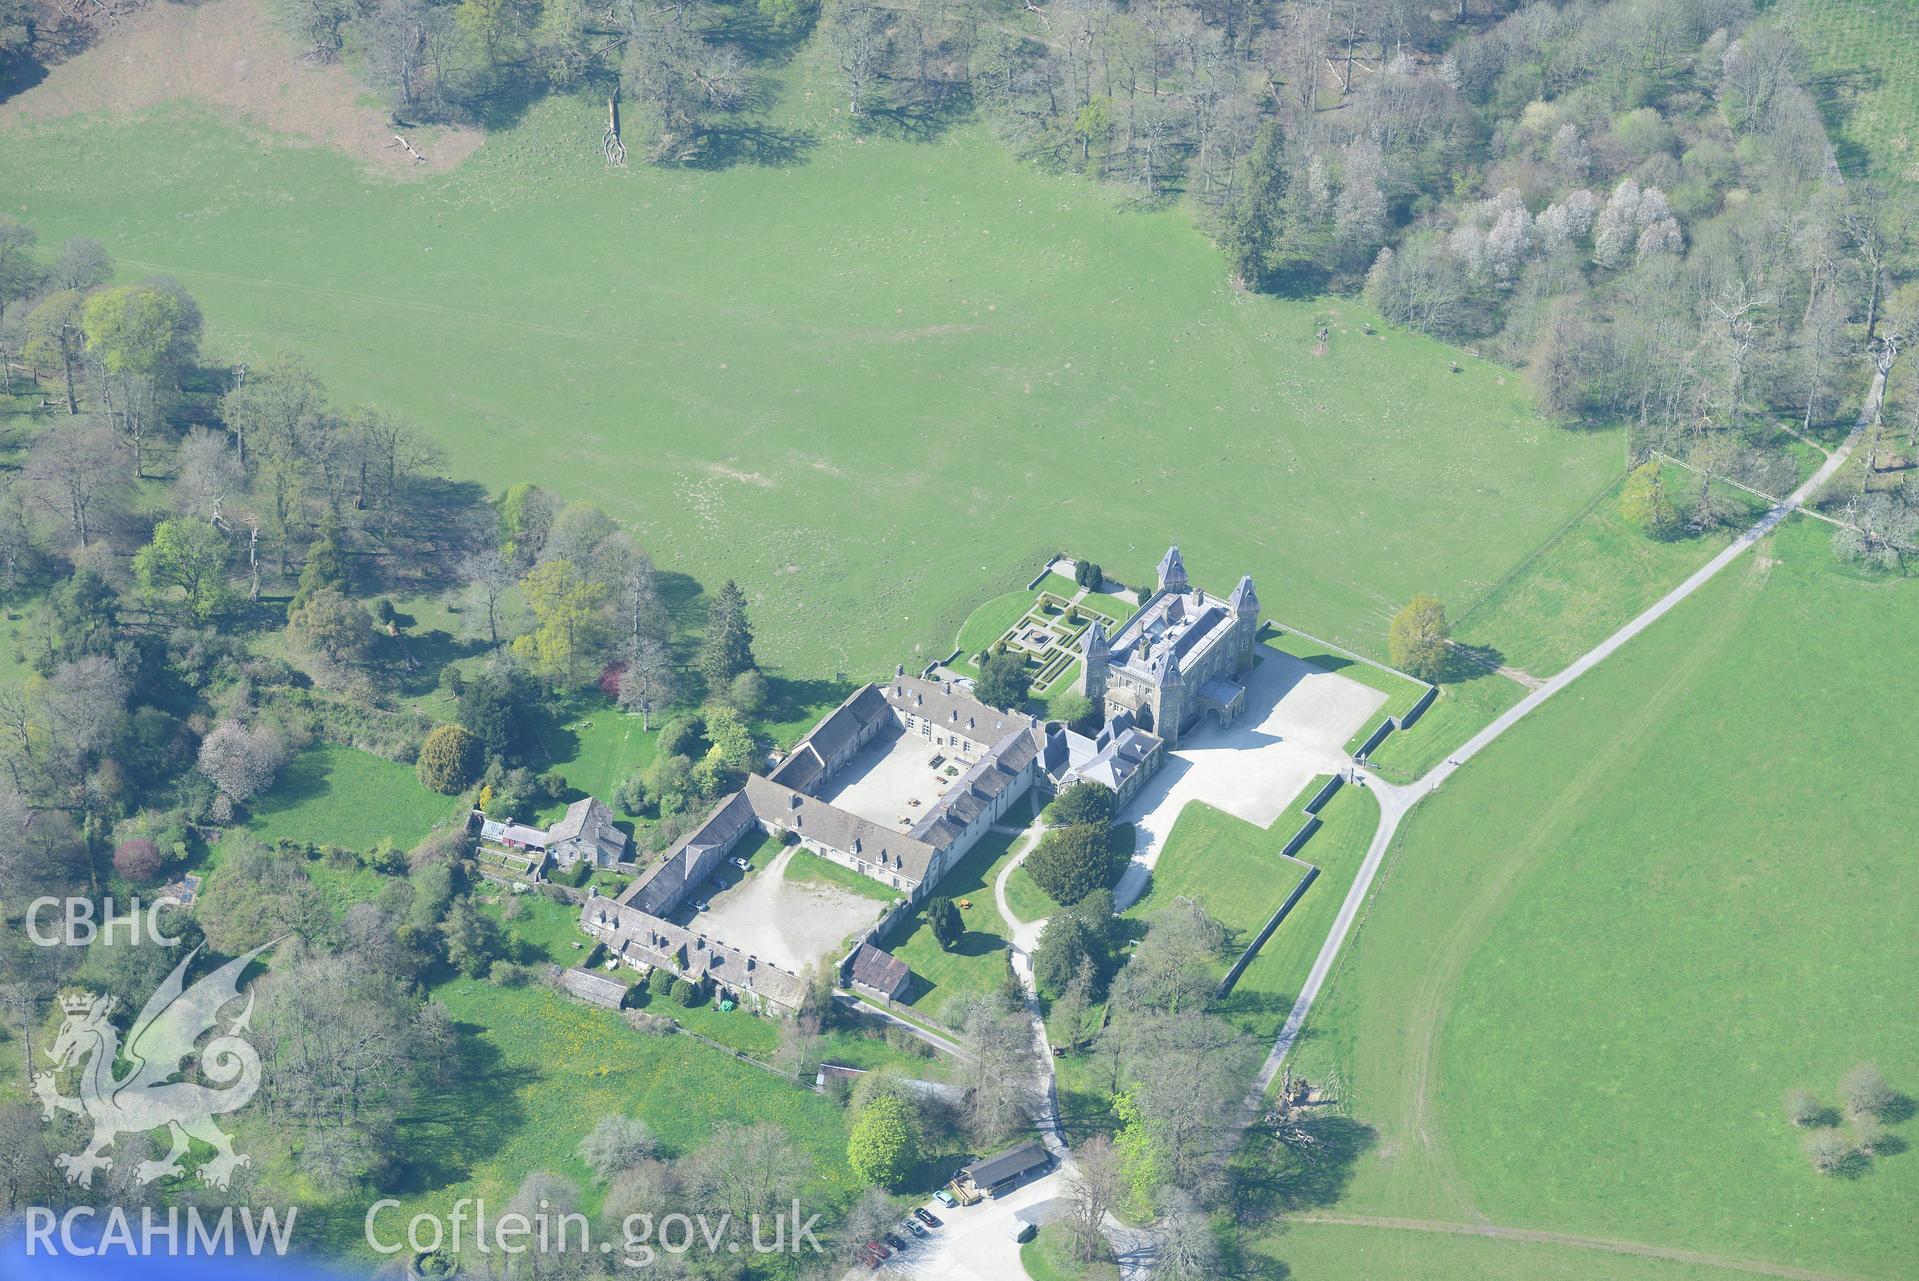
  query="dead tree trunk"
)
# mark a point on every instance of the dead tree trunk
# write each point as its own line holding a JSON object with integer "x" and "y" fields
{"x": 610, "y": 145}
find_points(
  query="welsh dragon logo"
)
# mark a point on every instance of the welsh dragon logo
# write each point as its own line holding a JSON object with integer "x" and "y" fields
{"x": 158, "y": 1046}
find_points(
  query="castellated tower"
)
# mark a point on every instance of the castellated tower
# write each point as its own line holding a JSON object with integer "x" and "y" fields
{"x": 1094, "y": 656}
{"x": 1172, "y": 571}
{"x": 1245, "y": 604}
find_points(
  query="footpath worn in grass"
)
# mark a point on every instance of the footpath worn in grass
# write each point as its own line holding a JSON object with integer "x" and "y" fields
{"x": 826, "y": 378}
{"x": 1598, "y": 959}
{"x": 342, "y": 796}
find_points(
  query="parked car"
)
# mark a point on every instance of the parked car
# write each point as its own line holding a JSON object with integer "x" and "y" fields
{"x": 944, "y": 1197}
{"x": 926, "y": 1216}
{"x": 879, "y": 1249}
{"x": 913, "y": 1226}
{"x": 867, "y": 1257}
{"x": 740, "y": 863}
{"x": 895, "y": 1240}
{"x": 700, "y": 905}
{"x": 1024, "y": 1231}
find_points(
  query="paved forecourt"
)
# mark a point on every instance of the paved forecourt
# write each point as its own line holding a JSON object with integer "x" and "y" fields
{"x": 1296, "y": 725}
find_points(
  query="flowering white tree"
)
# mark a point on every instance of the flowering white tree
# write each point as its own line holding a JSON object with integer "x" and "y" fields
{"x": 241, "y": 759}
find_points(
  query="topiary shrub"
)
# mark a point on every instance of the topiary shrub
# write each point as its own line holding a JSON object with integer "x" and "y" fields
{"x": 688, "y": 993}
{"x": 449, "y": 760}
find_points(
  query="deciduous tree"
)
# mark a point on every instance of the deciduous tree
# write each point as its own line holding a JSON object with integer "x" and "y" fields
{"x": 883, "y": 1147}
{"x": 1418, "y": 639}
{"x": 190, "y": 556}
{"x": 571, "y": 623}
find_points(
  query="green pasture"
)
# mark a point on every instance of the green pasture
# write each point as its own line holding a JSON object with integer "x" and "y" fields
{"x": 865, "y": 380}
{"x": 1864, "y": 59}
{"x": 1312, "y": 1251}
{"x": 537, "y": 1071}
{"x": 1594, "y": 964}
{"x": 1589, "y": 579}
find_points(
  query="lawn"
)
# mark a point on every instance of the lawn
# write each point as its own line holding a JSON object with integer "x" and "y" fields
{"x": 1050, "y": 1257}
{"x": 977, "y": 965}
{"x": 1597, "y": 960}
{"x": 989, "y": 622}
{"x": 1028, "y": 901}
{"x": 594, "y": 750}
{"x": 1233, "y": 868}
{"x": 1267, "y": 988}
{"x": 341, "y": 796}
{"x": 808, "y": 866}
{"x": 1462, "y": 708}
{"x": 809, "y": 376}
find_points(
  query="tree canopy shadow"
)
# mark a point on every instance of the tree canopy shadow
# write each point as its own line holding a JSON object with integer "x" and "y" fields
{"x": 1469, "y": 663}
{"x": 1310, "y": 1169}
{"x": 442, "y": 1143}
{"x": 729, "y": 146}
{"x": 788, "y": 698}
{"x": 921, "y": 115}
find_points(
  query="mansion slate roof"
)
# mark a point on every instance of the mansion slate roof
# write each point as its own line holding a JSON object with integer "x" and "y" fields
{"x": 1170, "y": 632}
{"x": 784, "y": 807}
{"x": 976, "y": 789}
{"x": 944, "y": 704}
{"x": 1120, "y": 750}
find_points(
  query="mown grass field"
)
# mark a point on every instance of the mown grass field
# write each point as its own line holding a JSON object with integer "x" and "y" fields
{"x": 1266, "y": 990}
{"x": 341, "y": 796}
{"x": 860, "y": 382}
{"x": 1231, "y": 867}
{"x": 1595, "y": 963}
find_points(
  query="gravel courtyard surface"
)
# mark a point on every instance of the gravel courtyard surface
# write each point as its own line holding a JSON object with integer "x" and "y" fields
{"x": 789, "y": 923}
{"x": 1297, "y": 722}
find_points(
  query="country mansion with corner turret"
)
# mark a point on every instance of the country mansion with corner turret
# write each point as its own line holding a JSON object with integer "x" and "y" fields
{"x": 1176, "y": 660}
